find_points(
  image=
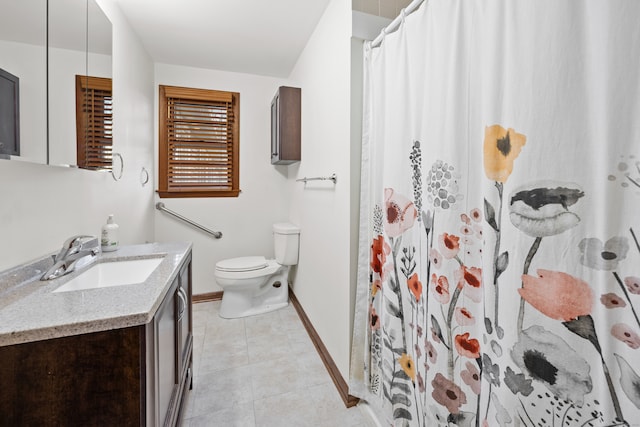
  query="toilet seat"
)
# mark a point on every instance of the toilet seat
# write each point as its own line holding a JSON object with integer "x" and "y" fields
{"x": 247, "y": 263}
{"x": 270, "y": 267}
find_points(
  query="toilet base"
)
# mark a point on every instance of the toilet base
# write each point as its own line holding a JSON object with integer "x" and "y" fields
{"x": 240, "y": 302}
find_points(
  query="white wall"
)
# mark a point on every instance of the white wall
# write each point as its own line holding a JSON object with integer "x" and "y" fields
{"x": 40, "y": 205}
{"x": 322, "y": 209}
{"x": 245, "y": 221}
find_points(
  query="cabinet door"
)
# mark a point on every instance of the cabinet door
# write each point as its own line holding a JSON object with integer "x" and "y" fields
{"x": 166, "y": 372}
{"x": 184, "y": 316}
{"x": 285, "y": 126}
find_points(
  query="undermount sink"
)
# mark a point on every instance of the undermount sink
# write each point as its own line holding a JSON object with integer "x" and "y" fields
{"x": 113, "y": 273}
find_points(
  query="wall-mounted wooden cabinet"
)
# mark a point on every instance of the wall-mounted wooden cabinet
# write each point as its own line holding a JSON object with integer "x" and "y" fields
{"x": 285, "y": 126}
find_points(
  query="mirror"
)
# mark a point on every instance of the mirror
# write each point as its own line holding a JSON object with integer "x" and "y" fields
{"x": 23, "y": 55}
{"x": 79, "y": 44}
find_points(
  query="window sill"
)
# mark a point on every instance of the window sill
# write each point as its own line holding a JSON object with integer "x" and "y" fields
{"x": 194, "y": 194}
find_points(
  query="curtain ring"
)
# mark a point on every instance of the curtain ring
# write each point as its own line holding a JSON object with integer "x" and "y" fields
{"x": 144, "y": 176}
{"x": 113, "y": 157}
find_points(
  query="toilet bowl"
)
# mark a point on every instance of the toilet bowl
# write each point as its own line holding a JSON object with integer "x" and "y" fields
{"x": 253, "y": 285}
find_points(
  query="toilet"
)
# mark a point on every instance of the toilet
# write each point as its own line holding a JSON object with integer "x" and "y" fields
{"x": 253, "y": 284}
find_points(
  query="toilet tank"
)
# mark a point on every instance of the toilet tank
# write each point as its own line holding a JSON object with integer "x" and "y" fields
{"x": 286, "y": 240}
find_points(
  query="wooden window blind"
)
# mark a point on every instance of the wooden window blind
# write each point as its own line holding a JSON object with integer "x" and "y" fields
{"x": 198, "y": 143}
{"x": 94, "y": 122}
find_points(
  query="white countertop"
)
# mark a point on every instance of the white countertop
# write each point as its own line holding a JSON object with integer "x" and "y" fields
{"x": 31, "y": 311}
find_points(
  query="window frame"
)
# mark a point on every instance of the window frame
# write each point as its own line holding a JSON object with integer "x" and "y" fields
{"x": 202, "y": 95}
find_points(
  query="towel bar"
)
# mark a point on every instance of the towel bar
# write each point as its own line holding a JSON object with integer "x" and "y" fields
{"x": 333, "y": 178}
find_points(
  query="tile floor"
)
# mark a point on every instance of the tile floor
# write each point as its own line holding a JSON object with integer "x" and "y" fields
{"x": 261, "y": 371}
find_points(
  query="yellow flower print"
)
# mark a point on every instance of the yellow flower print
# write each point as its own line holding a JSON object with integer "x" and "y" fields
{"x": 409, "y": 368}
{"x": 501, "y": 147}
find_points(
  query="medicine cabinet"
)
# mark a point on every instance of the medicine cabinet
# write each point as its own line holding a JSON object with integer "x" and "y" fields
{"x": 285, "y": 126}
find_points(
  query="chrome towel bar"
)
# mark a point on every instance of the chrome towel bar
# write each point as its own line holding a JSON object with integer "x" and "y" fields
{"x": 160, "y": 207}
{"x": 333, "y": 178}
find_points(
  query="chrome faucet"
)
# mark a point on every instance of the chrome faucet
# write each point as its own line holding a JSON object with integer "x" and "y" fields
{"x": 76, "y": 252}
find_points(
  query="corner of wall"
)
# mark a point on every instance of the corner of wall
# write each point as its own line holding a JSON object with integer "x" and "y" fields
{"x": 322, "y": 209}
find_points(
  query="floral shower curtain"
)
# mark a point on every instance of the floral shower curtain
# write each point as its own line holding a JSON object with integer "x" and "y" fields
{"x": 499, "y": 262}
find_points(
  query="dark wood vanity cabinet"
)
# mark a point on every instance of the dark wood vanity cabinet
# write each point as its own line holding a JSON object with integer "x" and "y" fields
{"x": 135, "y": 376}
{"x": 172, "y": 346}
{"x": 285, "y": 126}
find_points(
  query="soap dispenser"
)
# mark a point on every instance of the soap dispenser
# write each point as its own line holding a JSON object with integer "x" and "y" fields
{"x": 109, "y": 240}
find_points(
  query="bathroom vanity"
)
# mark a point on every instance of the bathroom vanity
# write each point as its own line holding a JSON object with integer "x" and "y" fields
{"x": 114, "y": 355}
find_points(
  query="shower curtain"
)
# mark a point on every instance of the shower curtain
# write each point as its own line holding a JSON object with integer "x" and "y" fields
{"x": 499, "y": 261}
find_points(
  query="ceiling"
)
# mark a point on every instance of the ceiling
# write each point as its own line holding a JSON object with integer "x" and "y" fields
{"x": 263, "y": 37}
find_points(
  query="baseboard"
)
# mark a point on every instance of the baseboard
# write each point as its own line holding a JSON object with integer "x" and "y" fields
{"x": 334, "y": 372}
{"x": 209, "y": 296}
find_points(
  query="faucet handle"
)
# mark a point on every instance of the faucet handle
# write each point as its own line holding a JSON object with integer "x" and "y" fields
{"x": 71, "y": 246}
{"x": 73, "y": 255}
{"x": 92, "y": 244}
{"x": 75, "y": 240}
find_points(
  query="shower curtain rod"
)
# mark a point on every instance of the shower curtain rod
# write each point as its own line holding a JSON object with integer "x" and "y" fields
{"x": 395, "y": 24}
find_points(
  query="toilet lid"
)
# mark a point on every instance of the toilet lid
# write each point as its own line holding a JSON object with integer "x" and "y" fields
{"x": 247, "y": 263}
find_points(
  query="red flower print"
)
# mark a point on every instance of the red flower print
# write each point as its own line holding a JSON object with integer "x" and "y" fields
{"x": 415, "y": 286}
{"x": 466, "y": 230}
{"x": 625, "y": 334}
{"x": 401, "y": 213}
{"x": 471, "y": 377}
{"x": 374, "y": 319}
{"x": 464, "y": 317}
{"x": 379, "y": 251}
{"x": 420, "y": 383}
{"x": 446, "y": 393}
{"x": 435, "y": 258}
{"x": 557, "y": 295}
{"x": 476, "y": 215}
{"x": 468, "y": 347}
{"x": 472, "y": 278}
{"x": 440, "y": 288}
{"x": 612, "y": 300}
{"x": 431, "y": 352}
{"x": 465, "y": 218}
{"x": 449, "y": 245}
{"x": 633, "y": 284}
